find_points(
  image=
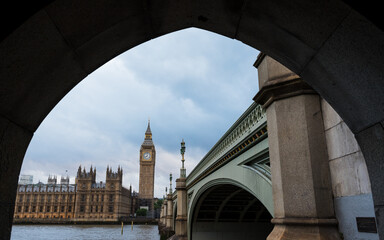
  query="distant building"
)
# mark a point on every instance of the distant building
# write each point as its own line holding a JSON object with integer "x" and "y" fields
{"x": 84, "y": 201}
{"x": 87, "y": 200}
{"x": 147, "y": 173}
{"x": 25, "y": 179}
{"x": 52, "y": 179}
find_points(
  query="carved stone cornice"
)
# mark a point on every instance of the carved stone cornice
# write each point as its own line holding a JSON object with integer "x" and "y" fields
{"x": 276, "y": 90}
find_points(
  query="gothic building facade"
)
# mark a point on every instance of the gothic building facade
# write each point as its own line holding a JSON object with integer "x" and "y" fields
{"x": 88, "y": 200}
{"x": 84, "y": 201}
{"x": 147, "y": 172}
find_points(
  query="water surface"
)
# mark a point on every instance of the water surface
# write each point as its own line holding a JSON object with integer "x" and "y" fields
{"x": 84, "y": 232}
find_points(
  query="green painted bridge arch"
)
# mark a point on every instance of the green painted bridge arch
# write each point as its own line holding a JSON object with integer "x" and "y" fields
{"x": 231, "y": 186}
{"x": 239, "y": 174}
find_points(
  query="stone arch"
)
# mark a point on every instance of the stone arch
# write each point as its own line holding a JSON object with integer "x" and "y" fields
{"x": 330, "y": 45}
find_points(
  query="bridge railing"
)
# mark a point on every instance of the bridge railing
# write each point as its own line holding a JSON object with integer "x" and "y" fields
{"x": 250, "y": 121}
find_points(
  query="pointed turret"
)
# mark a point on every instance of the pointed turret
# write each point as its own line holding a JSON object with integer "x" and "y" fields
{"x": 148, "y": 136}
{"x": 79, "y": 171}
{"x": 148, "y": 132}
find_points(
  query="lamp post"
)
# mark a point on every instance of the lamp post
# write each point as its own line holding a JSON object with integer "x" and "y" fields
{"x": 181, "y": 219}
{"x": 182, "y": 151}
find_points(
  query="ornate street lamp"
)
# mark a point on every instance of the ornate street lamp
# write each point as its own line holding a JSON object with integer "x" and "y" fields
{"x": 182, "y": 151}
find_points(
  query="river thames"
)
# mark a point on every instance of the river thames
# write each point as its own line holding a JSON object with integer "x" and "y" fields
{"x": 84, "y": 232}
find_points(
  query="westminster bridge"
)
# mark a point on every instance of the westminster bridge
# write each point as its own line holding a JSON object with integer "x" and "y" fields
{"x": 335, "y": 46}
{"x": 321, "y": 186}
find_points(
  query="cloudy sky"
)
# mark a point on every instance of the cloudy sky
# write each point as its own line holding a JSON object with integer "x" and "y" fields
{"x": 191, "y": 84}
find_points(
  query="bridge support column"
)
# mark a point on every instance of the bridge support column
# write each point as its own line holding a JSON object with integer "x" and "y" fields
{"x": 181, "y": 219}
{"x": 162, "y": 218}
{"x": 169, "y": 217}
{"x": 167, "y": 230}
{"x": 163, "y": 213}
{"x": 302, "y": 191}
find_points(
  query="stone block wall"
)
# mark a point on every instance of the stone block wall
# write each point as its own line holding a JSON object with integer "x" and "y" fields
{"x": 350, "y": 180}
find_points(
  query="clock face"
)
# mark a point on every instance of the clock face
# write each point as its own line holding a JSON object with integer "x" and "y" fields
{"x": 147, "y": 156}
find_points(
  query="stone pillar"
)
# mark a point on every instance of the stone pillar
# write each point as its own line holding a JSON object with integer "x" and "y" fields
{"x": 302, "y": 191}
{"x": 161, "y": 214}
{"x": 181, "y": 218}
{"x": 169, "y": 212}
{"x": 164, "y": 219}
{"x": 13, "y": 144}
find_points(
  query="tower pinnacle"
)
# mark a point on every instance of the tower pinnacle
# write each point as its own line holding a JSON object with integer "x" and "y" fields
{"x": 148, "y": 136}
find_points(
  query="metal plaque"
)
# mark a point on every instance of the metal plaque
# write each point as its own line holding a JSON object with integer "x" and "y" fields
{"x": 366, "y": 224}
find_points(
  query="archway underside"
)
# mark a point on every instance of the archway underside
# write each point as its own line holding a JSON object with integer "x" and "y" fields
{"x": 230, "y": 212}
{"x": 331, "y": 46}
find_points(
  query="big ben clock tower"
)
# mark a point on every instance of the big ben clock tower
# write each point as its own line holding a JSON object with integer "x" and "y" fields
{"x": 147, "y": 171}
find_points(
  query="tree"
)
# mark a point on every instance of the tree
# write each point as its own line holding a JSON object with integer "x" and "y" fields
{"x": 141, "y": 212}
{"x": 158, "y": 203}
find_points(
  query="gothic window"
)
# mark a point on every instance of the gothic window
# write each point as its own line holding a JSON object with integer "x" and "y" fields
{"x": 62, "y": 208}
{"x": 81, "y": 208}
{"x": 48, "y": 208}
{"x": 111, "y": 197}
{"x": 26, "y": 209}
{"x": 83, "y": 197}
{"x": 41, "y": 209}
{"x": 110, "y": 209}
{"x": 55, "y": 208}
{"x": 69, "y": 208}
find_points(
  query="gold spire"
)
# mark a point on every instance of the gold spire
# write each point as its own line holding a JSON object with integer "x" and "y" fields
{"x": 148, "y": 133}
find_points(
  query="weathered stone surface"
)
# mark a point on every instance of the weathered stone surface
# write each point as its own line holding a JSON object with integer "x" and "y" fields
{"x": 181, "y": 217}
{"x": 13, "y": 144}
{"x": 330, "y": 116}
{"x": 298, "y": 156}
{"x": 349, "y": 175}
{"x": 169, "y": 217}
{"x": 354, "y": 92}
{"x": 371, "y": 142}
{"x": 350, "y": 207}
{"x": 35, "y": 79}
{"x": 340, "y": 141}
{"x": 301, "y": 232}
{"x": 299, "y": 161}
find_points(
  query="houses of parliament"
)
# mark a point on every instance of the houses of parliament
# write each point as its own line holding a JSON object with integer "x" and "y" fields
{"x": 88, "y": 200}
